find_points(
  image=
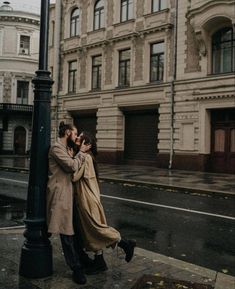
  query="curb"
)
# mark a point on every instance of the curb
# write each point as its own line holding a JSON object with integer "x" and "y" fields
{"x": 173, "y": 188}
{"x": 178, "y": 189}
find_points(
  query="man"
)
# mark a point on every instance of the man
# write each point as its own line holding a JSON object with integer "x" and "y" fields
{"x": 60, "y": 195}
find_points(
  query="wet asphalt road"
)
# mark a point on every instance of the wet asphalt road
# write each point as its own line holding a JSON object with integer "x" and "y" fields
{"x": 194, "y": 228}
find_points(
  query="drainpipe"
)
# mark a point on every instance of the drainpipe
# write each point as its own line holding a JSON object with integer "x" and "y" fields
{"x": 173, "y": 86}
{"x": 56, "y": 60}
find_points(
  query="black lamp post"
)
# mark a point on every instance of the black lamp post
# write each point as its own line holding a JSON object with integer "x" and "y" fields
{"x": 36, "y": 254}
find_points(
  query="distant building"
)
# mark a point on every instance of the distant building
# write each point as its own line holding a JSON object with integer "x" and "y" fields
{"x": 19, "y": 47}
{"x": 153, "y": 79}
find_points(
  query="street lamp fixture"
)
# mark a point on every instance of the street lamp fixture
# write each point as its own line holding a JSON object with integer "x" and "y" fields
{"x": 36, "y": 253}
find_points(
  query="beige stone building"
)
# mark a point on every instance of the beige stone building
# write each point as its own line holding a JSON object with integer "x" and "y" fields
{"x": 19, "y": 47}
{"x": 153, "y": 79}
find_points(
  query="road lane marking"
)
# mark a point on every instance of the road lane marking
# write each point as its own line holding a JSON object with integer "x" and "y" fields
{"x": 13, "y": 227}
{"x": 169, "y": 207}
{"x": 14, "y": 181}
{"x": 148, "y": 204}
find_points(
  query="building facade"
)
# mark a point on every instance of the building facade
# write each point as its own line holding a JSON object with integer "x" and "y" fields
{"x": 153, "y": 79}
{"x": 19, "y": 47}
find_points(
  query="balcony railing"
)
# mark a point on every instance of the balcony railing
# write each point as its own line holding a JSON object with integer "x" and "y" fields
{"x": 12, "y": 107}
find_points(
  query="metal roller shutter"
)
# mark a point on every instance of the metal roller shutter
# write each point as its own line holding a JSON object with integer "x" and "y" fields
{"x": 141, "y": 130}
{"x": 87, "y": 123}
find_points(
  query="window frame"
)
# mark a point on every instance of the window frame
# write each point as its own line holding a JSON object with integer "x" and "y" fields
{"x": 221, "y": 49}
{"x": 100, "y": 11}
{"x": 158, "y": 55}
{"x": 159, "y": 6}
{"x": 75, "y": 22}
{"x": 23, "y": 91}
{"x": 72, "y": 75}
{"x": 98, "y": 73}
{"x": 128, "y": 9}
{"x": 127, "y": 63}
{"x": 23, "y": 46}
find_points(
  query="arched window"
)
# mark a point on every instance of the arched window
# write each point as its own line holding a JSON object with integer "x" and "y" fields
{"x": 75, "y": 22}
{"x": 99, "y": 14}
{"x": 223, "y": 51}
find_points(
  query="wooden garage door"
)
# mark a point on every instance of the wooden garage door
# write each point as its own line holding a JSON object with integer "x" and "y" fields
{"x": 86, "y": 122}
{"x": 141, "y": 131}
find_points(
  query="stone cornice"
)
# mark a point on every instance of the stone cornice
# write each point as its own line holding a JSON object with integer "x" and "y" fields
{"x": 213, "y": 96}
{"x": 19, "y": 19}
{"x": 113, "y": 40}
{"x": 212, "y": 3}
{"x": 119, "y": 91}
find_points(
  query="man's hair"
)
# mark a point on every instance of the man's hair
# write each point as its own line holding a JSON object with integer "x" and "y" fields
{"x": 63, "y": 127}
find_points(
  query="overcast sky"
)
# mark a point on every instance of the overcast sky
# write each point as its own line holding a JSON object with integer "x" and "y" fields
{"x": 26, "y": 5}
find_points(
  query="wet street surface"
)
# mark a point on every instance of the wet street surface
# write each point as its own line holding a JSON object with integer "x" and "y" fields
{"x": 12, "y": 212}
{"x": 199, "y": 229}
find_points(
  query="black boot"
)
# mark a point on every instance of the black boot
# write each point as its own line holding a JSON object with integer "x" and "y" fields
{"x": 128, "y": 247}
{"x": 99, "y": 265}
{"x": 78, "y": 276}
{"x": 85, "y": 259}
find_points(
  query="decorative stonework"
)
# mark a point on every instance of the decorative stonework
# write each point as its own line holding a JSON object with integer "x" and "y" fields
{"x": 17, "y": 19}
{"x": 109, "y": 13}
{"x": 108, "y": 64}
{"x": 197, "y": 96}
{"x": 84, "y": 24}
{"x": 201, "y": 43}
{"x": 140, "y": 8}
{"x": 83, "y": 62}
{"x": 139, "y": 52}
{"x": 192, "y": 50}
{"x": 7, "y": 88}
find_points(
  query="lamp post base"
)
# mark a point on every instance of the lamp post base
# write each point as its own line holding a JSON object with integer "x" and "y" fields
{"x": 36, "y": 262}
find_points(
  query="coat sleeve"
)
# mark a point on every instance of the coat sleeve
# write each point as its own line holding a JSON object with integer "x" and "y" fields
{"x": 78, "y": 174}
{"x": 89, "y": 171}
{"x": 66, "y": 162}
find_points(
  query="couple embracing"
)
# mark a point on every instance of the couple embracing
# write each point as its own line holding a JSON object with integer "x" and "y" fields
{"x": 74, "y": 209}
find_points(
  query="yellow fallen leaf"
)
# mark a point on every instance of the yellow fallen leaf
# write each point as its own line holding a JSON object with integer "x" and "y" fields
{"x": 161, "y": 283}
{"x": 224, "y": 271}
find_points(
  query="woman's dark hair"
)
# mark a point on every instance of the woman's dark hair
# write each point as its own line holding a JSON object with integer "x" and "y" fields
{"x": 90, "y": 139}
{"x": 63, "y": 127}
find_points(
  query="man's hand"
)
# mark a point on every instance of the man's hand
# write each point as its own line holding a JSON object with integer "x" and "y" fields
{"x": 85, "y": 147}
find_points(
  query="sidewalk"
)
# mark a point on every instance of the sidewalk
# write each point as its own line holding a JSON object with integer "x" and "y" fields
{"x": 147, "y": 268}
{"x": 187, "y": 181}
{"x": 145, "y": 265}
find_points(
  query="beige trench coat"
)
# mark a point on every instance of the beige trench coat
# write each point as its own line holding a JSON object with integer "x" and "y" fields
{"x": 96, "y": 233}
{"x": 60, "y": 189}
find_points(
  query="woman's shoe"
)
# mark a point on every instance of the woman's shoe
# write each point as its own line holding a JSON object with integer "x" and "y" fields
{"x": 128, "y": 247}
{"x": 99, "y": 265}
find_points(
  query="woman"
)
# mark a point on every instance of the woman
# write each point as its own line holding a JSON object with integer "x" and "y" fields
{"x": 97, "y": 234}
{"x": 60, "y": 193}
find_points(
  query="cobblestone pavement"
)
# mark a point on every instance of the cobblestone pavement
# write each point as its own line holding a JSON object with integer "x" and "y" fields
{"x": 120, "y": 274}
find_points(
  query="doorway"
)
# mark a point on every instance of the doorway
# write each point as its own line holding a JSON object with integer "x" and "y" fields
{"x": 223, "y": 140}
{"x": 19, "y": 140}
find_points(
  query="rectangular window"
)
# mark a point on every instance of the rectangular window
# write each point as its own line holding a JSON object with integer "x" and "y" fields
{"x": 126, "y": 10}
{"x": 72, "y": 77}
{"x": 124, "y": 67}
{"x": 24, "y": 44}
{"x": 96, "y": 72}
{"x": 158, "y": 5}
{"x": 22, "y": 92}
{"x": 157, "y": 62}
